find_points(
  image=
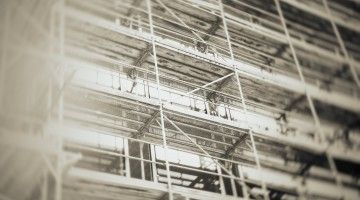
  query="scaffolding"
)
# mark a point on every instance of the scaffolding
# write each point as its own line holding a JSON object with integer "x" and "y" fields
{"x": 183, "y": 99}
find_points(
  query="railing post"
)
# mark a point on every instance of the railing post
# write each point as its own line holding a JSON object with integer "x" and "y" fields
{"x": 127, "y": 161}
{"x": 141, "y": 145}
{"x": 233, "y": 186}
{"x": 243, "y": 186}
{"x": 153, "y": 164}
{"x": 221, "y": 180}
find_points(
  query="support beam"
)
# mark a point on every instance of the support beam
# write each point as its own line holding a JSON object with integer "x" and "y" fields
{"x": 180, "y": 20}
{"x": 138, "y": 63}
{"x": 212, "y": 30}
{"x": 238, "y": 143}
{"x": 220, "y": 87}
{"x": 351, "y": 24}
{"x": 185, "y": 25}
{"x": 163, "y": 133}
{"x": 146, "y": 125}
{"x": 143, "y": 56}
{"x": 196, "y": 180}
{"x": 320, "y": 131}
{"x": 265, "y": 195}
{"x": 341, "y": 43}
{"x": 291, "y": 106}
{"x": 277, "y": 137}
{"x": 335, "y": 98}
{"x": 237, "y": 179}
{"x": 207, "y": 84}
{"x": 295, "y": 102}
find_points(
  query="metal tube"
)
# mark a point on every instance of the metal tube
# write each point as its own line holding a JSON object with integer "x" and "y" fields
{"x": 341, "y": 43}
{"x": 310, "y": 101}
{"x": 206, "y": 85}
{"x": 148, "y": 3}
{"x": 257, "y": 160}
{"x": 231, "y": 175}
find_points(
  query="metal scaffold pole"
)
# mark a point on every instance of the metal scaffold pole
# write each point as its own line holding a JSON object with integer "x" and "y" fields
{"x": 318, "y": 126}
{"x": 175, "y": 100}
{"x": 342, "y": 44}
{"x": 240, "y": 179}
{"x": 253, "y": 145}
{"x": 148, "y": 3}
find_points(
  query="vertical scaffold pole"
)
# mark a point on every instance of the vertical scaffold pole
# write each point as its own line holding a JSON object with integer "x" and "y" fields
{"x": 341, "y": 43}
{"x": 148, "y": 3}
{"x": 319, "y": 129}
{"x": 256, "y": 156}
